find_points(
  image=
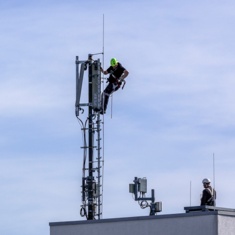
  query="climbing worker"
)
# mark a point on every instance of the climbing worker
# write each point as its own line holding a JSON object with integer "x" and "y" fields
{"x": 208, "y": 194}
{"x": 117, "y": 75}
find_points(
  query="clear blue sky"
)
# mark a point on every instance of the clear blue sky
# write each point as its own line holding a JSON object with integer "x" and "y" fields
{"x": 176, "y": 111}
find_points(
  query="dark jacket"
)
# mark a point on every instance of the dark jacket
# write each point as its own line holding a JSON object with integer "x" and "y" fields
{"x": 208, "y": 197}
{"x": 115, "y": 73}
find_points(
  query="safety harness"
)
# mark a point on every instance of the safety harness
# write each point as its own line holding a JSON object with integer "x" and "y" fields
{"x": 211, "y": 200}
{"x": 116, "y": 81}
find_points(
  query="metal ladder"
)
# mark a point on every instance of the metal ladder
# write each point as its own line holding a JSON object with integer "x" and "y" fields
{"x": 92, "y": 180}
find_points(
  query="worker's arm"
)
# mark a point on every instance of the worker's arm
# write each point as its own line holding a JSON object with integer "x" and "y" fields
{"x": 205, "y": 197}
{"x": 124, "y": 75}
{"x": 103, "y": 71}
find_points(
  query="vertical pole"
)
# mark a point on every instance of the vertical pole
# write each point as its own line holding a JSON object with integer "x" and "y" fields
{"x": 136, "y": 188}
{"x": 214, "y": 180}
{"x": 99, "y": 167}
{"x": 90, "y": 144}
{"x": 152, "y": 195}
{"x": 213, "y": 170}
{"x": 152, "y": 205}
{"x": 190, "y": 193}
{"x": 77, "y": 77}
{"x": 99, "y": 186}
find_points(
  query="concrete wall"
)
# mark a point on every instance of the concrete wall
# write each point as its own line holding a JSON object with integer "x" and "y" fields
{"x": 195, "y": 223}
{"x": 226, "y": 225}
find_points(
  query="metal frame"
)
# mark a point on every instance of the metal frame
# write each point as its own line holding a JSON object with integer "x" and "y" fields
{"x": 91, "y": 180}
{"x": 140, "y": 185}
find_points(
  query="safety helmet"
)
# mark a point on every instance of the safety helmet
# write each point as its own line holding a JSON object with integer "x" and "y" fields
{"x": 206, "y": 181}
{"x": 113, "y": 62}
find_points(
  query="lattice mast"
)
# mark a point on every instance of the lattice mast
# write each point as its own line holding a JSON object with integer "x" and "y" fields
{"x": 92, "y": 169}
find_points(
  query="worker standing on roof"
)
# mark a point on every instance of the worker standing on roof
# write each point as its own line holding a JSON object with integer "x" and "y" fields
{"x": 117, "y": 75}
{"x": 208, "y": 194}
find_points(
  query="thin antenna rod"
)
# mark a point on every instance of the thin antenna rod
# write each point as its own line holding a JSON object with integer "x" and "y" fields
{"x": 103, "y": 39}
{"x": 111, "y": 106}
{"x": 190, "y": 192}
{"x": 214, "y": 170}
{"x": 103, "y": 122}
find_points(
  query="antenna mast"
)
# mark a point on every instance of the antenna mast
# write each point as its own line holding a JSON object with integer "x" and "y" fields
{"x": 91, "y": 180}
{"x": 214, "y": 170}
{"x": 190, "y": 193}
{"x": 140, "y": 186}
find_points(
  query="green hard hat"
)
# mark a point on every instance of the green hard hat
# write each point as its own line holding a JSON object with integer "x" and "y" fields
{"x": 113, "y": 62}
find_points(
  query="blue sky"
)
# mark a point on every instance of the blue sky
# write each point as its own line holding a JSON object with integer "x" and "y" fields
{"x": 176, "y": 111}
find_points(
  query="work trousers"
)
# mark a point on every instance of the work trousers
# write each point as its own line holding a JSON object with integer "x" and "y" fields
{"x": 110, "y": 88}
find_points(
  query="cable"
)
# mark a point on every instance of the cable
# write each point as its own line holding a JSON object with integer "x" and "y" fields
{"x": 111, "y": 106}
{"x": 83, "y": 212}
{"x": 83, "y": 128}
{"x": 144, "y": 204}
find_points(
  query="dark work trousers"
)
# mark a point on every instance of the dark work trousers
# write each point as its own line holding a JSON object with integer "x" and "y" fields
{"x": 110, "y": 88}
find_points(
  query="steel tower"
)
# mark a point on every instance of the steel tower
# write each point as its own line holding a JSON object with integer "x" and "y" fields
{"x": 92, "y": 185}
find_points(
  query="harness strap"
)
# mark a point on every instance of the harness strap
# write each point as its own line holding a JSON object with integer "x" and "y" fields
{"x": 210, "y": 191}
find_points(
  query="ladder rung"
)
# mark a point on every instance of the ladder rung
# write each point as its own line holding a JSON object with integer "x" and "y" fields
{"x": 87, "y": 147}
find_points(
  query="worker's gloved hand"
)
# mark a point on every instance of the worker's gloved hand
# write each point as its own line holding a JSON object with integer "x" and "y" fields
{"x": 120, "y": 80}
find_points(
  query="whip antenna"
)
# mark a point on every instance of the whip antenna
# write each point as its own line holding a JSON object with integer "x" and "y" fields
{"x": 213, "y": 190}
{"x": 103, "y": 118}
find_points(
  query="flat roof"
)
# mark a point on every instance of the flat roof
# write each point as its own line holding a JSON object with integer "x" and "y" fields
{"x": 190, "y": 211}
